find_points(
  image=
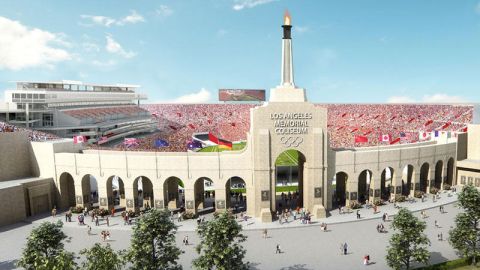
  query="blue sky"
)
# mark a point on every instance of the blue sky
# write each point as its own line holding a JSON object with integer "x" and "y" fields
{"x": 344, "y": 51}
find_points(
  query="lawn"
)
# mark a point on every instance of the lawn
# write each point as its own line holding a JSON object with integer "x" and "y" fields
{"x": 288, "y": 158}
{"x": 235, "y": 147}
{"x": 459, "y": 264}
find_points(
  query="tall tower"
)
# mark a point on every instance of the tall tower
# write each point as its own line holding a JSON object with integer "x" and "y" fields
{"x": 286, "y": 91}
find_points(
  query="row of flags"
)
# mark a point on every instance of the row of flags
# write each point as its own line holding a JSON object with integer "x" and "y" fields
{"x": 422, "y": 136}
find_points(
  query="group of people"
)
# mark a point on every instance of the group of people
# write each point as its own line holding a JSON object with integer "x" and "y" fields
{"x": 33, "y": 135}
{"x": 177, "y": 122}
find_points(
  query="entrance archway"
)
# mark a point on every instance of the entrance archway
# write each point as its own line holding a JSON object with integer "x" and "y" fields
{"x": 204, "y": 194}
{"x": 340, "y": 195}
{"x": 143, "y": 192}
{"x": 386, "y": 183}
{"x": 424, "y": 177}
{"x": 236, "y": 194}
{"x": 67, "y": 191}
{"x": 438, "y": 174}
{"x": 116, "y": 192}
{"x": 407, "y": 179}
{"x": 173, "y": 193}
{"x": 90, "y": 190}
{"x": 289, "y": 180}
{"x": 364, "y": 180}
{"x": 450, "y": 164}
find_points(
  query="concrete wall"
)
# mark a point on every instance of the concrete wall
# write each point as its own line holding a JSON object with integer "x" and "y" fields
{"x": 12, "y": 205}
{"x": 15, "y": 156}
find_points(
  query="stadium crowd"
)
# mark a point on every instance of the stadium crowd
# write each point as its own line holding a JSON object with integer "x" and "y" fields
{"x": 402, "y": 123}
{"x": 33, "y": 135}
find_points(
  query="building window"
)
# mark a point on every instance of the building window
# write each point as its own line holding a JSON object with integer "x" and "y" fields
{"x": 463, "y": 179}
{"x": 470, "y": 180}
{"x": 477, "y": 182}
{"x": 47, "y": 120}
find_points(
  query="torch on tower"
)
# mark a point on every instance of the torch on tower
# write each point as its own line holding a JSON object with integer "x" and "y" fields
{"x": 286, "y": 91}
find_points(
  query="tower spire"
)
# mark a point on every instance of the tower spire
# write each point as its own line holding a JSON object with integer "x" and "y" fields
{"x": 287, "y": 58}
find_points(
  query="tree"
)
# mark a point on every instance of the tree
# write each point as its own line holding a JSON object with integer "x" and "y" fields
{"x": 99, "y": 257}
{"x": 45, "y": 249}
{"x": 409, "y": 243}
{"x": 465, "y": 236}
{"x": 153, "y": 242}
{"x": 220, "y": 246}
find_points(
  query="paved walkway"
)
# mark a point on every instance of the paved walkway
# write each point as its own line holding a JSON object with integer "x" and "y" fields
{"x": 305, "y": 246}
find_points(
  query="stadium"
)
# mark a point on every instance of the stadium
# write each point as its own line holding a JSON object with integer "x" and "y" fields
{"x": 69, "y": 143}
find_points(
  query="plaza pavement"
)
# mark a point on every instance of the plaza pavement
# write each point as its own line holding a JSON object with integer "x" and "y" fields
{"x": 304, "y": 246}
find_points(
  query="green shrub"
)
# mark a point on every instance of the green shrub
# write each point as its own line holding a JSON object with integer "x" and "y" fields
{"x": 355, "y": 205}
{"x": 378, "y": 202}
{"x": 433, "y": 190}
{"x": 189, "y": 215}
{"x": 77, "y": 209}
{"x": 101, "y": 212}
{"x": 447, "y": 187}
{"x": 418, "y": 194}
{"x": 400, "y": 198}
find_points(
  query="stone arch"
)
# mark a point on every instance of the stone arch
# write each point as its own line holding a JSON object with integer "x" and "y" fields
{"x": 450, "y": 170}
{"x": 67, "y": 191}
{"x": 386, "y": 183}
{"x": 364, "y": 181}
{"x": 204, "y": 191}
{"x": 341, "y": 194}
{"x": 90, "y": 190}
{"x": 143, "y": 192}
{"x": 173, "y": 192}
{"x": 288, "y": 193}
{"x": 424, "y": 175}
{"x": 236, "y": 194}
{"x": 116, "y": 192}
{"x": 408, "y": 178}
{"x": 438, "y": 174}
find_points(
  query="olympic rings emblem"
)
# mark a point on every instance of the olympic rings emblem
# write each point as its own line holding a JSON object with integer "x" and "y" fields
{"x": 291, "y": 141}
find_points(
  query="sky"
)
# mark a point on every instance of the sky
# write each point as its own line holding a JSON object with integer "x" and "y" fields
{"x": 369, "y": 51}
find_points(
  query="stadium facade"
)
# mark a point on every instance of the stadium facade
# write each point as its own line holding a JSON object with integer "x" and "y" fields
{"x": 72, "y": 108}
{"x": 61, "y": 172}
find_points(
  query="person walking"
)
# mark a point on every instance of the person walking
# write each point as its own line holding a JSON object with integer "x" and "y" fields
{"x": 54, "y": 211}
{"x": 436, "y": 224}
{"x": 97, "y": 223}
{"x": 108, "y": 222}
{"x": 185, "y": 240}
{"x": 265, "y": 234}
{"x": 278, "y": 250}
{"x": 345, "y": 248}
{"x": 358, "y": 214}
{"x": 89, "y": 230}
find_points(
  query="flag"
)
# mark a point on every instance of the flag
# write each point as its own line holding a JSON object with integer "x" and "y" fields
{"x": 224, "y": 144}
{"x": 212, "y": 138}
{"x": 411, "y": 120}
{"x": 128, "y": 142}
{"x": 422, "y": 135}
{"x": 79, "y": 139}
{"x": 385, "y": 138}
{"x": 435, "y": 133}
{"x": 361, "y": 139}
{"x": 368, "y": 132}
{"x": 338, "y": 128}
{"x": 343, "y": 115}
{"x": 172, "y": 127}
{"x": 233, "y": 124}
{"x": 194, "y": 145}
{"x": 393, "y": 117}
{"x": 353, "y": 130}
{"x": 465, "y": 129}
{"x": 191, "y": 126}
{"x": 161, "y": 143}
{"x": 446, "y": 125}
{"x": 102, "y": 140}
{"x": 428, "y": 122}
{"x": 377, "y": 116}
{"x": 397, "y": 140}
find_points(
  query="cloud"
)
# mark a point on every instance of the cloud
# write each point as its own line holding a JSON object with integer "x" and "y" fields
{"x": 164, "y": 11}
{"x": 301, "y": 29}
{"x": 108, "y": 63}
{"x": 242, "y": 4}
{"x": 114, "y": 47}
{"x": 90, "y": 47}
{"x": 23, "y": 47}
{"x": 435, "y": 98}
{"x": 132, "y": 18}
{"x": 201, "y": 96}
{"x": 400, "y": 99}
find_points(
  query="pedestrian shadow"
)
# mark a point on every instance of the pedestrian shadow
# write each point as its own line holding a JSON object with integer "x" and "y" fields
{"x": 8, "y": 265}
{"x": 296, "y": 267}
{"x": 253, "y": 266}
{"x": 435, "y": 257}
{"x": 370, "y": 263}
